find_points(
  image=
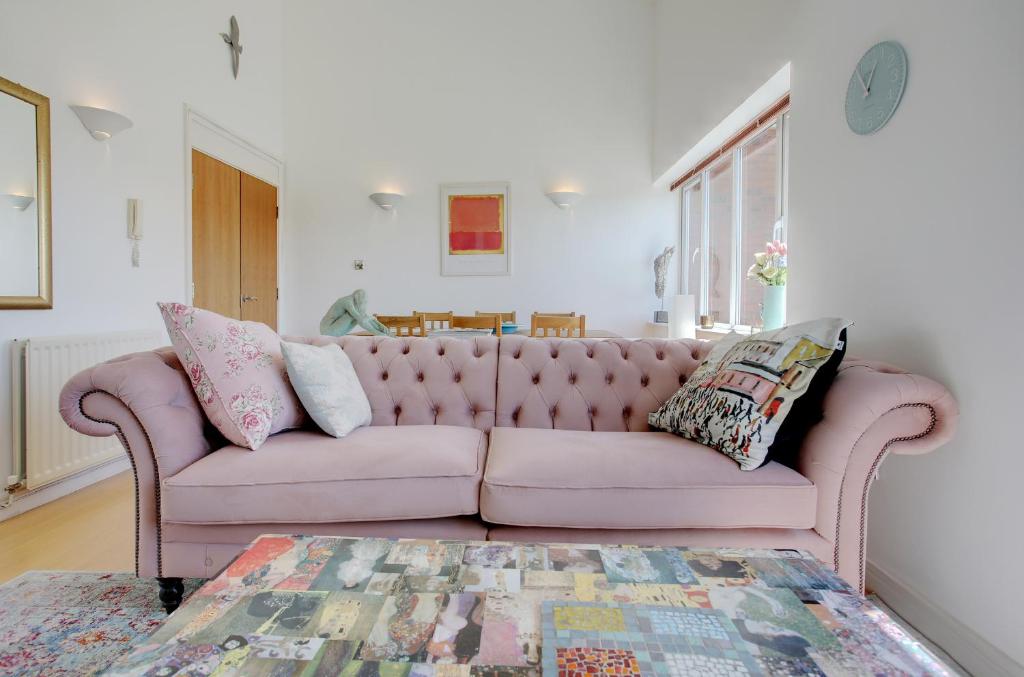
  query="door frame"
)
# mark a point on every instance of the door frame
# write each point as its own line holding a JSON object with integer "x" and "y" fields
{"x": 219, "y": 142}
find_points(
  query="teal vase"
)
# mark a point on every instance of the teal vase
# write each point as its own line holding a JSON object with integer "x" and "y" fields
{"x": 773, "y": 309}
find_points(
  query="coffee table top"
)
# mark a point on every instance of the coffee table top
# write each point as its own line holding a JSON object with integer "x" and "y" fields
{"x": 291, "y": 605}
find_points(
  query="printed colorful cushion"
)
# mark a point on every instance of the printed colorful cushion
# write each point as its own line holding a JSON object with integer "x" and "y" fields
{"x": 753, "y": 392}
{"x": 328, "y": 387}
{"x": 237, "y": 373}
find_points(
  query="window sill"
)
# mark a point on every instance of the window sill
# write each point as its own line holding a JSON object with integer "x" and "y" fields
{"x": 712, "y": 334}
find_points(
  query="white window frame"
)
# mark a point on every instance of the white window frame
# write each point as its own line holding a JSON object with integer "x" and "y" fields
{"x": 739, "y": 270}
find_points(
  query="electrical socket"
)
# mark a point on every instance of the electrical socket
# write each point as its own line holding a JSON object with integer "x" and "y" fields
{"x": 358, "y": 264}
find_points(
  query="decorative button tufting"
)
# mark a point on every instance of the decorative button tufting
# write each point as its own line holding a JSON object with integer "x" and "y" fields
{"x": 536, "y": 379}
{"x": 572, "y": 378}
{"x": 405, "y": 350}
{"x": 384, "y": 376}
{"x": 458, "y": 378}
{"x": 554, "y": 354}
{"x": 440, "y": 351}
{"x": 608, "y": 379}
{"x": 515, "y": 415}
{"x": 553, "y": 412}
{"x": 644, "y": 380}
{"x": 398, "y": 411}
{"x": 661, "y": 355}
{"x": 590, "y": 353}
{"x": 682, "y": 379}
{"x": 373, "y": 350}
{"x": 626, "y": 412}
{"x": 419, "y": 377}
{"x": 515, "y": 356}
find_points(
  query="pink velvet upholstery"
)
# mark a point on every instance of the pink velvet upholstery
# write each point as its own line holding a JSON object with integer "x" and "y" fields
{"x": 589, "y": 384}
{"x": 411, "y": 381}
{"x": 648, "y": 480}
{"x": 519, "y": 387}
{"x": 303, "y": 476}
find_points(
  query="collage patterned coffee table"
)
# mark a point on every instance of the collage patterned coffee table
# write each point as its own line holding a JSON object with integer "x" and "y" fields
{"x": 291, "y": 605}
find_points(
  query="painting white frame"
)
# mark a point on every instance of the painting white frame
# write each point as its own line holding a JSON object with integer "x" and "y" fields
{"x": 476, "y": 264}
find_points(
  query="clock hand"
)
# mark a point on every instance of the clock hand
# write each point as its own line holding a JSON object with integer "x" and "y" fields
{"x": 861, "y": 78}
{"x": 871, "y": 76}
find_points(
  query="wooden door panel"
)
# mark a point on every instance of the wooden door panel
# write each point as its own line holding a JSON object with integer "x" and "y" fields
{"x": 216, "y": 262}
{"x": 259, "y": 251}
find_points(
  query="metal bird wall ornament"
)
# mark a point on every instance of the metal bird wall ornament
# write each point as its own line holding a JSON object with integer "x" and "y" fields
{"x": 234, "y": 44}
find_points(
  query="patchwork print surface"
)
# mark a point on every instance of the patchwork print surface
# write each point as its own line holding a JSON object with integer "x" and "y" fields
{"x": 404, "y": 608}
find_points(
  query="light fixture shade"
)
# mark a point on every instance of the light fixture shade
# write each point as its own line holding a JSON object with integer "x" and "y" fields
{"x": 101, "y": 123}
{"x": 19, "y": 202}
{"x": 386, "y": 201}
{"x": 564, "y": 199}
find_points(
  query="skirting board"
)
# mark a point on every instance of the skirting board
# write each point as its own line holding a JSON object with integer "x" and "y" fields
{"x": 976, "y": 654}
{"x": 23, "y": 502}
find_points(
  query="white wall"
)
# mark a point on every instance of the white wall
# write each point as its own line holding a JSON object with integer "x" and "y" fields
{"x": 405, "y": 95}
{"x": 145, "y": 60}
{"x": 915, "y": 233}
{"x": 19, "y": 253}
{"x": 710, "y": 57}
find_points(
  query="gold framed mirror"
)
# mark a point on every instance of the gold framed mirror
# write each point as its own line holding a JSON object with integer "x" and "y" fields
{"x": 26, "y": 279}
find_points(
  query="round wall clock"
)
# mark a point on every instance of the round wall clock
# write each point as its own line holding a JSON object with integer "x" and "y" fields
{"x": 876, "y": 87}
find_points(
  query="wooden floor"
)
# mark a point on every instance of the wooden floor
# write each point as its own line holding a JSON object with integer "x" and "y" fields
{"x": 90, "y": 530}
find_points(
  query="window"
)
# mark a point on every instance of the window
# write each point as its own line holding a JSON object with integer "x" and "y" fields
{"x": 731, "y": 204}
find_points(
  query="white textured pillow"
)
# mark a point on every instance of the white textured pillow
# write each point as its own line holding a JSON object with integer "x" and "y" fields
{"x": 327, "y": 386}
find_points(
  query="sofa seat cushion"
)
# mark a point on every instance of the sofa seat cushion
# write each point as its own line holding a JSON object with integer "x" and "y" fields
{"x": 375, "y": 473}
{"x": 642, "y": 480}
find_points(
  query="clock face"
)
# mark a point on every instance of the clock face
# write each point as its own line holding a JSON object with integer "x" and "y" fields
{"x": 876, "y": 87}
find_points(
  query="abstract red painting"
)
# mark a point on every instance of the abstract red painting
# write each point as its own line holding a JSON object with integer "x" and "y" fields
{"x": 476, "y": 224}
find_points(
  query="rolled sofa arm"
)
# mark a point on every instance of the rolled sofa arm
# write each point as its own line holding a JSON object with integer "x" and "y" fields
{"x": 871, "y": 409}
{"x": 146, "y": 400}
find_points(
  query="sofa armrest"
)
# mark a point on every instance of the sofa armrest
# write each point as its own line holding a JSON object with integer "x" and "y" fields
{"x": 871, "y": 409}
{"x": 146, "y": 400}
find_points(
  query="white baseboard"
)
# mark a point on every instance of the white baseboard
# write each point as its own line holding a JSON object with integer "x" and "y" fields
{"x": 972, "y": 651}
{"x": 24, "y": 502}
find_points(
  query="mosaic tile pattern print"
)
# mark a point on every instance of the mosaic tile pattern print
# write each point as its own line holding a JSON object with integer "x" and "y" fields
{"x": 409, "y": 608}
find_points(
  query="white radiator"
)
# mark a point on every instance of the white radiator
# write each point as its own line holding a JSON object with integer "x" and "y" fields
{"x": 45, "y": 448}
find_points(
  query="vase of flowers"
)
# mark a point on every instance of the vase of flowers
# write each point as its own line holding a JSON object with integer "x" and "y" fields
{"x": 771, "y": 271}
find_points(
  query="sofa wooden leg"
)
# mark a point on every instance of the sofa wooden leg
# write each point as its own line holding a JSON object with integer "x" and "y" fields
{"x": 171, "y": 590}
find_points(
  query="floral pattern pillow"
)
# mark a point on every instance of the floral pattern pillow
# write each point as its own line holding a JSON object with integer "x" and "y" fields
{"x": 237, "y": 372}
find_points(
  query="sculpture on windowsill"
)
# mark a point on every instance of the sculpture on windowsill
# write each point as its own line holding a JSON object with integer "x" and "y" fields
{"x": 660, "y": 273}
{"x": 348, "y": 312}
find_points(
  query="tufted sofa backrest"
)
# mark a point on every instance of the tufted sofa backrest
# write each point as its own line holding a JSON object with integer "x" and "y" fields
{"x": 416, "y": 381}
{"x": 589, "y": 384}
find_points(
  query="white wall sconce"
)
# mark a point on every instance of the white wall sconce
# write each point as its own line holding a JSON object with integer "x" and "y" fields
{"x": 101, "y": 123}
{"x": 19, "y": 202}
{"x": 386, "y": 201}
{"x": 564, "y": 199}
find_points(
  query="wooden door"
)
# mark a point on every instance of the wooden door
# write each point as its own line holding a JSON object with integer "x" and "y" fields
{"x": 216, "y": 231}
{"x": 234, "y": 242}
{"x": 259, "y": 251}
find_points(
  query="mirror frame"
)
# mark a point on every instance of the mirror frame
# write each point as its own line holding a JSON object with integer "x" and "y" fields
{"x": 44, "y": 299}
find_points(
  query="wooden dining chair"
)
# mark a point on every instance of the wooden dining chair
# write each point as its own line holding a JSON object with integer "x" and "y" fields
{"x": 558, "y": 325}
{"x": 404, "y": 325}
{"x": 436, "y": 320}
{"x": 489, "y": 321}
{"x": 505, "y": 317}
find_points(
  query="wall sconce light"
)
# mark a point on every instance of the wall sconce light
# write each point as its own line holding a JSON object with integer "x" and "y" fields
{"x": 564, "y": 199}
{"x": 101, "y": 123}
{"x": 19, "y": 202}
{"x": 387, "y": 201}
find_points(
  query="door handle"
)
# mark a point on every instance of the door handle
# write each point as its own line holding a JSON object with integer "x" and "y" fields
{"x": 249, "y": 298}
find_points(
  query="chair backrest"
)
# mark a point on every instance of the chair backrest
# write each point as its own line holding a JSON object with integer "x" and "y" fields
{"x": 505, "y": 317}
{"x": 404, "y": 325}
{"x": 436, "y": 320}
{"x": 572, "y": 314}
{"x": 566, "y": 326}
{"x": 492, "y": 322}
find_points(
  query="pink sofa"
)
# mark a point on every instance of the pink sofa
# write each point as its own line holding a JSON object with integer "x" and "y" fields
{"x": 512, "y": 439}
